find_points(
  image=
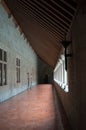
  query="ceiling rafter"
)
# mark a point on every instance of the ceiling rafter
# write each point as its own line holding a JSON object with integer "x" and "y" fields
{"x": 45, "y": 24}
{"x": 72, "y": 3}
{"x": 69, "y": 5}
{"x": 49, "y": 11}
{"x": 43, "y": 13}
{"x": 57, "y": 12}
{"x": 62, "y": 6}
{"x": 42, "y": 24}
{"x": 59, "y": 9}
{"x": 46, "y": 20}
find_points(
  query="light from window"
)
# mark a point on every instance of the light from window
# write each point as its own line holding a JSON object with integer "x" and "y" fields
{"x": 60, "y": 74}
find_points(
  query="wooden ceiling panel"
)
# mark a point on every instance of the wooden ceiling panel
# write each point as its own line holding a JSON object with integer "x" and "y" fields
{"x": 44, "y": 45}
{"x": 44, "y": 23}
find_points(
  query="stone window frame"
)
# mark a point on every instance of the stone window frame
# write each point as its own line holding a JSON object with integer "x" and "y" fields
{"x": 17, "y": 70}
{"x": 3, "y": 67}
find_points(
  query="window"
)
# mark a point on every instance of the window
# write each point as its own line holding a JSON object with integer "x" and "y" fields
{"x": 18, "y": 70}
{"x": 3, "y": 67}
{"x": 60, "y": 74}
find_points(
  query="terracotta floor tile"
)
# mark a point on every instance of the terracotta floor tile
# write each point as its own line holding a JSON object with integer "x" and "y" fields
{"x": 31, "y": 110}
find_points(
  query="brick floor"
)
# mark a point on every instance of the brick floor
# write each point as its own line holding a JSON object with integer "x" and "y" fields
{"x": 31, "y": 110}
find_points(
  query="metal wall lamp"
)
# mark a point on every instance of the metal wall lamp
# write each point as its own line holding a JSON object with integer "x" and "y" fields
{"x": 65, "y": 44}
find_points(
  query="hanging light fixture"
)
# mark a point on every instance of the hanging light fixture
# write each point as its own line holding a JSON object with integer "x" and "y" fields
{"x": 65, "y": 44}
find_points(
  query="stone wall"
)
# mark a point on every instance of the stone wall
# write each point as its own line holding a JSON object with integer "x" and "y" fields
{"x": 14, "y": 43}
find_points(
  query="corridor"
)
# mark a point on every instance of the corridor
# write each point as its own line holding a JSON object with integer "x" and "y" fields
{"x": 33, "y": 109}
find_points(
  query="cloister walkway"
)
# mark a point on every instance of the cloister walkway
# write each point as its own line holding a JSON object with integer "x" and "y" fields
{"x": 34, "y": 109}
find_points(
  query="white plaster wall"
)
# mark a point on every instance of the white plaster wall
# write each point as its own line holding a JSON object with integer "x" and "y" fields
{"x": 16, "y": 46}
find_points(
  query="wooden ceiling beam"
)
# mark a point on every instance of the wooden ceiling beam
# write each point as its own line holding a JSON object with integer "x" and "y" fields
{"x": 49, "y": 16}
{"x": 57, "y": 12}
{"x": 60, "y": 30}
{"x": 41, "y": 12}
{"x": 71, "y": 2}
{"x": 49, "y": 11}
{"x": 72, "y": 7}
{"x": 51, "y": 38}
{"x": 42, "y": 23}
{"x": 52, "y": 33}
{"x": 61, "y": 7}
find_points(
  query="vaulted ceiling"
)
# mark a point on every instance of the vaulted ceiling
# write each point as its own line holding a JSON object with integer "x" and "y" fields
{"x": 45, "y": 24}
